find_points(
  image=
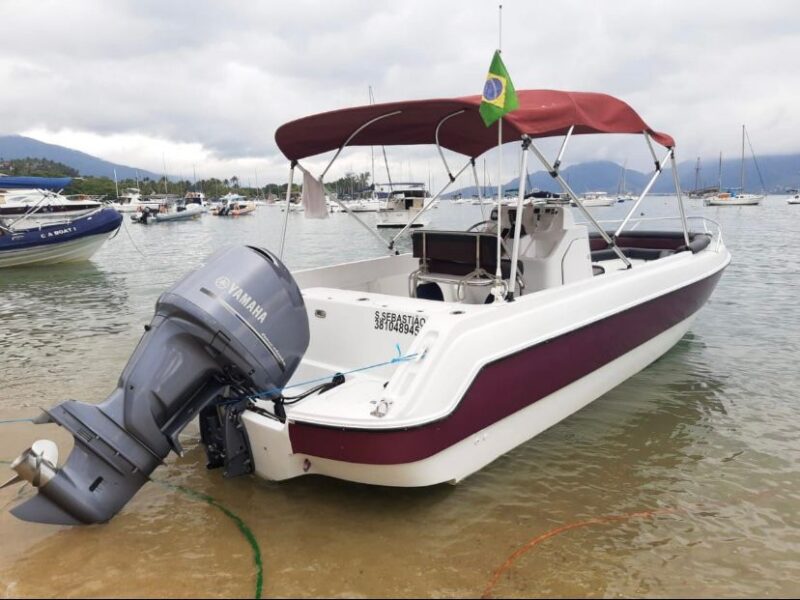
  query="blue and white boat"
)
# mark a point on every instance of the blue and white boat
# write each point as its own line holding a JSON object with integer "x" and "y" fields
{"x": 69, "y": 241}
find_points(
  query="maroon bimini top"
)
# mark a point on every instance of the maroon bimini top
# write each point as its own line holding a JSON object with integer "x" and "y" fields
{"x": 541, "y": 113}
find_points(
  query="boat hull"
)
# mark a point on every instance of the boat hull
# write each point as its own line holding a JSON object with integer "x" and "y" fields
{"x": 190, "y": 213}
{"x": 734, "y": 201}
{"x": 71, "y": 242}
{"x": 510, "y": 400}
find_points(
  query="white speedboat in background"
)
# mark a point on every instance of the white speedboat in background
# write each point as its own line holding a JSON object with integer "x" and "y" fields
{"x": 196, "y": 199}
{"x": 233, "y": 205}
{"x": 44, "y": 205}
{"x": 403, "y": 204}
{"x": 592, "y": 199}
{"x": 130, "y": 200}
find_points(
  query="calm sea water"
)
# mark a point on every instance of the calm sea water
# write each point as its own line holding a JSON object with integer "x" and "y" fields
{"x": 683, "y": 481}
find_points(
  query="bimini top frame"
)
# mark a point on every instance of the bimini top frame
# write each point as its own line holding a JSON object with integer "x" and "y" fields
{"x": 456, "y": 124}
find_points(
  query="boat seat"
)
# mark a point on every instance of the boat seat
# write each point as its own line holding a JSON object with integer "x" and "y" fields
{"x": 635, "y": 253}
{"x": 459, "y": 264}
{"x": 648, "y": 245}
{"x": 459, "y": 253}
{"x": 653, "y": 240}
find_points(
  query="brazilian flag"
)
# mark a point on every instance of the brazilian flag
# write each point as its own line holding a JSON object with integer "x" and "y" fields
{"x": 499, "y": 97}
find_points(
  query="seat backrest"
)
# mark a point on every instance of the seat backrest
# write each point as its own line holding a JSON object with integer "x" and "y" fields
{"x": 456, "y": 252}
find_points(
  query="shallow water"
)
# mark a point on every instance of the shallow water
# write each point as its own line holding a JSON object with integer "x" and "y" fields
{"x": 696, "y": 458}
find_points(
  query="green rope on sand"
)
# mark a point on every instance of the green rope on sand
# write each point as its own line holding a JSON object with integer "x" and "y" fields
{"x": 243, "y": 528}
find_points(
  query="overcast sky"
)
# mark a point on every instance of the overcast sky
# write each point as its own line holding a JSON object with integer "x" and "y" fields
{"x": 205, "y": 84}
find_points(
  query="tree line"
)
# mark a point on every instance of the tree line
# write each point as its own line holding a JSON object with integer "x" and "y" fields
{"x": 350, "y": 184}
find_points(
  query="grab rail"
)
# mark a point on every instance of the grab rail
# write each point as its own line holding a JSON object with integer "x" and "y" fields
{"x": 716, "y": 234}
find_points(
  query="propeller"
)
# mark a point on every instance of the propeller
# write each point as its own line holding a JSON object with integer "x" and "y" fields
{"x": 37, "y": 465}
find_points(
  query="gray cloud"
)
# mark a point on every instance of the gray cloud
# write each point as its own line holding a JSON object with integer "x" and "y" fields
{"x": 226, "y": 75}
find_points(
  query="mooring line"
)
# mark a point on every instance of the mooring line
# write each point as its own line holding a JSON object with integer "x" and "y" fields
{"x": 238, "y": 521}
{"x": 531, "y": 544}
{"x": 240, "y": 524}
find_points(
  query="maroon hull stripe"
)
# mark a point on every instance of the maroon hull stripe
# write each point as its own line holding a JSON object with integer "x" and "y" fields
{"x": 507, "y": 385}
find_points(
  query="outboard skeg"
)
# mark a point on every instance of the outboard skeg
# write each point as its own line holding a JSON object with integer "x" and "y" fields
{"x": 239, "y": 322}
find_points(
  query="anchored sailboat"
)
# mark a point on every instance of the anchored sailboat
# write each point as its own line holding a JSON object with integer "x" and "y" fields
{"x": 735, "y": 197}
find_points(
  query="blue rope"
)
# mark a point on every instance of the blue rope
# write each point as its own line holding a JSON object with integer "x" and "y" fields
{"x": 397, "y": 359}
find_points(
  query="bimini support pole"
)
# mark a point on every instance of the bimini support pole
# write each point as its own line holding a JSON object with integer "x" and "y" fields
{"x": 354, "y": 134}
{"x": 645, "y": 191}
{"x": 478, "y": 186}
{"x": 430, "y": 204}
{"x": 346, "y": 208}
{"x": 574, "y": 197}
{"x": 523, "y": 168}
{"x": 292, "y": 165}
{"x": 335, "y": 156}
{"x": 678, "y": 192}
{"x": 439, "y": 147}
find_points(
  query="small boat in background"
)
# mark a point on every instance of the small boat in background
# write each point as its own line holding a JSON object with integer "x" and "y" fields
{"x": 172, "y": 211}
{"x": 794, "y": 200}
{"x": 233, "y": 205}
{"x": 197, "y": 199}
{"x": 131, "y": 201}
{"x": 69, "y": 241}
{"x": 404, "y": 203}
{"x": 591, "y": 199}
{"x": 735, "y": 196}
{"x": 44, "y": 205}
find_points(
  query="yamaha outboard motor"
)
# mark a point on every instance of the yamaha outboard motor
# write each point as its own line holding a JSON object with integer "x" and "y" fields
{"x": 231, "y": 328}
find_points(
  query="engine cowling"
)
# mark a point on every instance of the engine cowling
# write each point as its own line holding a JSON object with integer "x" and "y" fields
{"x": 232, "y": 327}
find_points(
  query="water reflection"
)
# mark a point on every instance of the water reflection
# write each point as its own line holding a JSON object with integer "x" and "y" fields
{"x": 57, "y": 321}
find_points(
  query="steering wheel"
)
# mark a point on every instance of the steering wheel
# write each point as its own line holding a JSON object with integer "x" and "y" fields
{"x": 479, "y": 224}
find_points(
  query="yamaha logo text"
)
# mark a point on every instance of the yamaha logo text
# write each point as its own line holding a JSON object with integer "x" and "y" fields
{"x": 235, "y": 292}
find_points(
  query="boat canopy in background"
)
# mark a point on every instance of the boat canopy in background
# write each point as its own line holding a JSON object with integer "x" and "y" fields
{"x": 40, "y": 183}
{"x": 541, "y": 113}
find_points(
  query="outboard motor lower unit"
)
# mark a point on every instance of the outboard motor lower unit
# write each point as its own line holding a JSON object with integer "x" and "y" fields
{"x": 236, "y": 326}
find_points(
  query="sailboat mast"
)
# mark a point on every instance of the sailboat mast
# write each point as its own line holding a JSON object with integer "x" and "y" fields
{"x": 372, "y": 152}
{"x": 164, "y": 163}
{"x": 742, "y": 159}
{"x": 697, "y": 174}
{"x": 719, "y": 185}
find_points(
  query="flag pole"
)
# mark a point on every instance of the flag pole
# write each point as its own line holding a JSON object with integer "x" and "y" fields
{"x": 498, "y": 271}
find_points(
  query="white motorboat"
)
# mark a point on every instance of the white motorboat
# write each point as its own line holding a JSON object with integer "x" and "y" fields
{"x": 44, "y": 205}
{"x": 197, "y": 199}
{"x": 593, "y": 199}
{"x": 130, "y": 201}
{"x": 407, "y": 369}
{"x": 233, "y": 205}
{"x": 794, "y": 199}
{"x": 362, "y": 205}
{"x": 404, "y": 204}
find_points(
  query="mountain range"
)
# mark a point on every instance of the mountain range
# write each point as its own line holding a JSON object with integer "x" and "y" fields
{"x": 779, "y": 172}
{"x": 18, "y": 146}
